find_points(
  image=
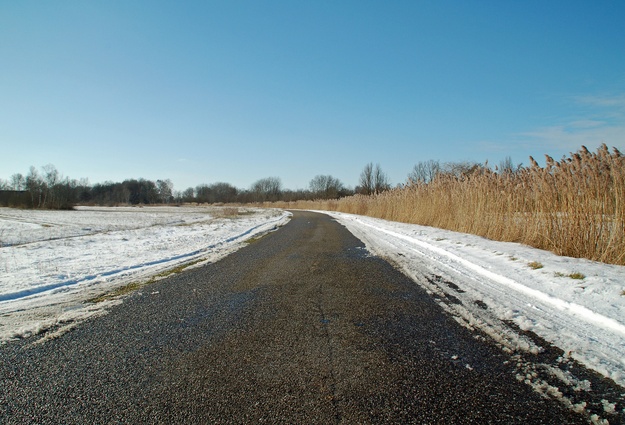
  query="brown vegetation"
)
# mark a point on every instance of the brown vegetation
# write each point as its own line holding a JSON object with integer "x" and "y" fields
{"x": 573, "y": 207}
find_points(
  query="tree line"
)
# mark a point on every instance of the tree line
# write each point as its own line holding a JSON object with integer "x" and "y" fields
{"x": 48, "y": 188}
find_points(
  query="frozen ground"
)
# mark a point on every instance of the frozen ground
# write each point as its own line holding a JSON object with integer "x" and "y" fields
{"x": 51, "y": 262}
{"x": 492, "y": 286}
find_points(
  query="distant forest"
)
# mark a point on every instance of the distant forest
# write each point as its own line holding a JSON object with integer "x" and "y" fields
{"x": 48, "y": 189}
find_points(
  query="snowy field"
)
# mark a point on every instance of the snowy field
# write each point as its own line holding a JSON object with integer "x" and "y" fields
{"x": 487, "y": 285}
{"x": 51, "y": 262}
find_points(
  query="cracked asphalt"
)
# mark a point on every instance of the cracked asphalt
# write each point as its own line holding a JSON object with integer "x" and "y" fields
{"x": 302, "y": 326}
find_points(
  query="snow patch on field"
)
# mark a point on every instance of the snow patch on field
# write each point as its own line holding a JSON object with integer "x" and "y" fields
{"x": 51, "y": 262}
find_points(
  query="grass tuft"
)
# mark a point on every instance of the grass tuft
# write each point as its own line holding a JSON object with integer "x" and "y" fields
{"x": 230, "y": 212}
{"x": 535, "y": 265}
{"x": 574, "y": 275}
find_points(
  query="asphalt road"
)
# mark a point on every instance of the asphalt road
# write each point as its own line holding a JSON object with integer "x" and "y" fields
{"x": 301, "y": 326}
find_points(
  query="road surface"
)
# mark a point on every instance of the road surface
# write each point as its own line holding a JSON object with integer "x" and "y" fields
{"x": 301, "y": 326}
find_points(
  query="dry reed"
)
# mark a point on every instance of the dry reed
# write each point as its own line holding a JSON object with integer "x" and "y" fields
{"x": 574, "y": 207}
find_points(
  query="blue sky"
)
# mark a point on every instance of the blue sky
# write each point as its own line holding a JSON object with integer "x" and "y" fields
{"x": 234, "y": 91}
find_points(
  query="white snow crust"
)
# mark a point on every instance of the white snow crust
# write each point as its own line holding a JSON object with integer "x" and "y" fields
{"x": 51, "y": 262}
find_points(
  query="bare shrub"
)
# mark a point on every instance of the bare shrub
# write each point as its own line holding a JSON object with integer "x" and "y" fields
{"x": 226, "y": 212}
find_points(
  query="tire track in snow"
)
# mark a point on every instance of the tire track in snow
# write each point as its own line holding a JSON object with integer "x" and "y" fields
{"x": 13, "y": 296}
{"x": 562, "y": 305}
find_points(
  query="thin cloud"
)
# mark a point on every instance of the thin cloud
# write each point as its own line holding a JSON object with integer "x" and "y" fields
{"x": 587, "y": 124}
{"x": 572, "y": 136}
{"x": 603, "y": 121}
{"x": 616, "y": 101}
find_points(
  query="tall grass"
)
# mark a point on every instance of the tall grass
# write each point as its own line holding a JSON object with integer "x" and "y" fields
{"x": 573, "y": 207}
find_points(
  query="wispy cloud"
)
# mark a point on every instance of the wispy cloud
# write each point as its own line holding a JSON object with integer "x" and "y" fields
{"x": 614, "y": 101}
{"x": 601, "y": 119}
{"x": 586, "y": 124}
{"x": 571, "y": 136}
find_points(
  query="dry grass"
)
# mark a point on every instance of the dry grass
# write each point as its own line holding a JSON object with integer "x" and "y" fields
{"x": 574, "y": 207}
{"x": 226, "y": 212}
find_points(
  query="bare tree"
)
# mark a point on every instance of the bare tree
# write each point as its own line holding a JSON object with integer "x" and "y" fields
{"x": 326, "y": 187}
{"x": 184, "y": 196}
{"x": 35, "y": 186}
{"x": 165, "y": 189}
{"x": 380, "y": 180}
{"x": 267, "y": 189}
{"x": 141, "y": 191}
{"x": 51, "y": 178}
{"x": 223, "y": 192}
{"x": 365, "y": 183}
{"x": 506, "y": 166}
{"x": 424, "y": 171}
{"x": 18, "y": 181}
{"x": 63, "y": 194}
{"x": 373, "y": 180}
{"x": 188, "y": 195}
{"x": 83, "y": 190}
{"x": 202, "y": 193}
{"x": 460, "y": 170}
{"x": 217, "y": 192}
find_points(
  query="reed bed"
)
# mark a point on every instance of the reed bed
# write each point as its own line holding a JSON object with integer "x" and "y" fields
{"x": 573, "y": 207}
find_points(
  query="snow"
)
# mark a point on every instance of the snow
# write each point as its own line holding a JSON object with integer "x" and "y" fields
{"x": 52, "y": 262}
{"x": 485, "y": 284}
